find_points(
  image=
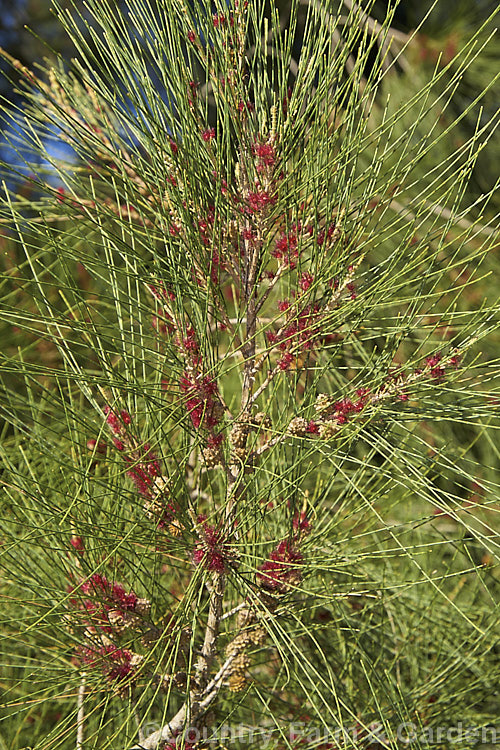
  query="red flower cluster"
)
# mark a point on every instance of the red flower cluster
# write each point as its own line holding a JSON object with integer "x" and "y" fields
{"x": 208, "y": 134}
{"x": 286, "y": 99}
{"x": 161, "y": 292}
{"x": 173, "y": 745}
{"x": 107, "y": 605}
{"x": 306, "y": 281}
{"x": 437, "y": 370}
{"x": 259, "y": 200}
{"x": 109, "y": 609}
{"x": 245, "y": 106}
{"x": 193, "y": 92}
{"x": 398, "y": 377}
{"x": 327, "y": 233}
{"x": 219, "y": 19}
{"x": 200, "y": 391}
{"x": 205, "y": 408}
{"x": 162, "y": 321}
{"x": 205, "y": 225}
{"x": 345, "y": 408}
{"x": 78, "y": 544}
{"x": 144, "y": 465}
{"x": 215, "y": 441}
{"x": 341, "y": 411}
{"x": 93, "y": 445}
{"x": 144, "y": 474}
{"x": 300, "y": 334}
{"x": 112, "y": 595}
{"x": 286, "y": 247}
{"x": 301, "y": 523}
{"x": 212, "y": 552}
{"x": 438, "y": 367}
{"x": 104, "y": 598}
{"x": 115, "y": 663}
{"x": 281, "y": 570}
{"x": 189, "y": 343}
{"x": 265, "y": 156}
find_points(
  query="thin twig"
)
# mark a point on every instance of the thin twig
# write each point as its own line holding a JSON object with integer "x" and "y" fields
{"x": 211, "y": 631}
{"x": 196, "y": 700}
{"x": 80, "y": 718}
{"x": 140, "y": 733}
{"x": 192, "y": 708}
{"x": 233, "y": 611}
{"x": 272, "y": 284}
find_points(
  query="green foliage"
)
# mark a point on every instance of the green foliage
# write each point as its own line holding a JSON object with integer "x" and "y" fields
{"x": 249, "y": 447}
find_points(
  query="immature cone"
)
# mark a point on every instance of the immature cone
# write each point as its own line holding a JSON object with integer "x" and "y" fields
{"x": 96, "y": 636}
{"x": 118, "y": 621}
{"x": 239, "y": 435}
{"x": 160, "y": 485}
{"x": 178, "y": 679}
{"x": 151, "y": 636}
{"x": 153, "y": 509}
{"x": 263, "y": 420}
{"x": 239, "y": 644}
{"x": 250, "y": 634}
{"x": 237, "y": 682}
{"x": 213, "y": 456}
{"x": 143, "y": 607}
{"x": 258, "y": 635}
{"x": 238, "y": 678}
{"x": 245, "y": 617}
{"x": 136, "y": 660}
{"x": 251, "y": 631}
{"x": 175, "y": 528}
{"x": 323, "y": 402}
{"x": 298, "y": 427}
{"x": 122, "y": 690}
{"x": 328, "y": 429}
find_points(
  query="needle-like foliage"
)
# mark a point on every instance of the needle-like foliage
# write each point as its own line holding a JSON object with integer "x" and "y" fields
{"x": 250, "y": 465}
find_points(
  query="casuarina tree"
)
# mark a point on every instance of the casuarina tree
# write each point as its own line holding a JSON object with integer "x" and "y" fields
{"x": 249, "y": 460}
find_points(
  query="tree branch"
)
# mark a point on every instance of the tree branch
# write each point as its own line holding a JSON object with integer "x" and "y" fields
{"x": 80, "y": 718}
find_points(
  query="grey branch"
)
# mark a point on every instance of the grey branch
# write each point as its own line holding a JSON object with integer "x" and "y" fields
{"x": 193, "y": 707}
{"x": 80, "y": 718}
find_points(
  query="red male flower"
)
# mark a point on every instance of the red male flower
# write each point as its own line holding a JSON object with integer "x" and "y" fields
{"x": 111, "y": 595}
{"x": 281, "y": 569}
{"x": 144, "y": 466}
{"x": 434, "y": 362}
{"x": 205, "y": 408}
{"x": 265, "y": 156}
{"x": 212, "y": 551}
{"x": 117, "y": 664}
{"x": 78, "y": 544}
{"x": 259, "y": 200}
{"x": 306, "y": 280}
